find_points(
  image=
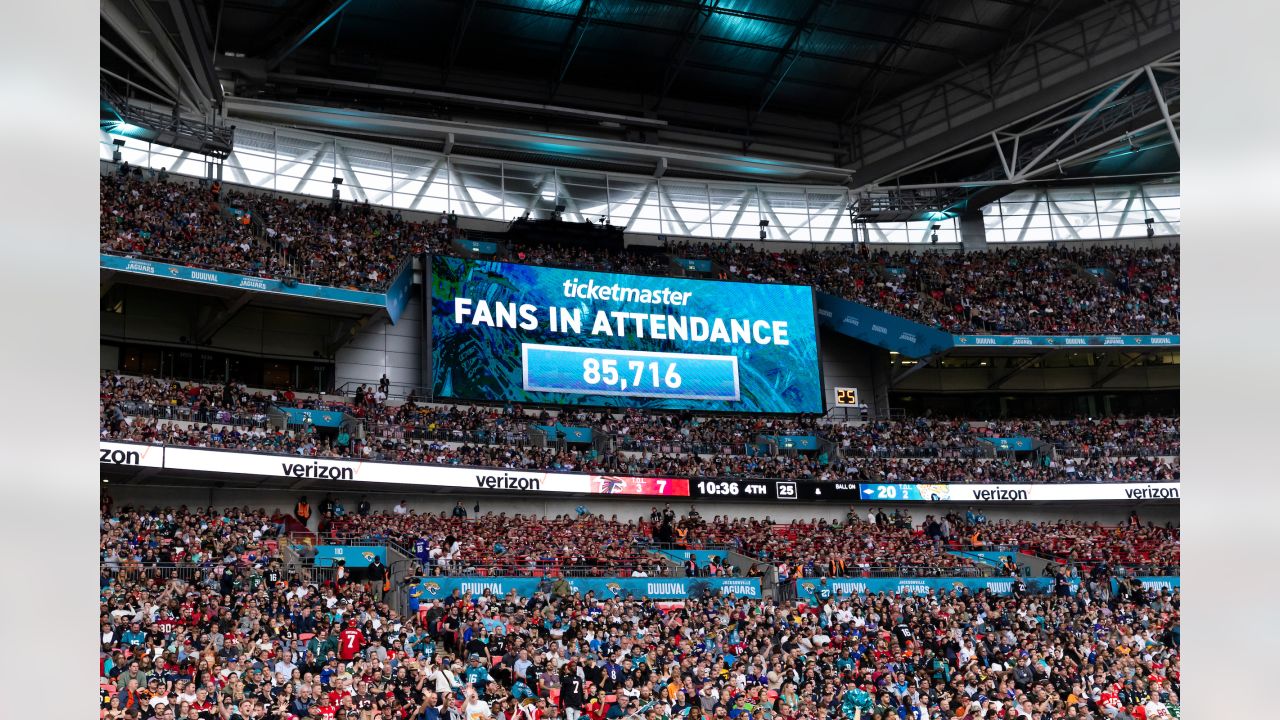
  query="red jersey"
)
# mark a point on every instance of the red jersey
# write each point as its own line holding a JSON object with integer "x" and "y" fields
{"x": 328, "y": 712}
{"x": 350, "y": 643}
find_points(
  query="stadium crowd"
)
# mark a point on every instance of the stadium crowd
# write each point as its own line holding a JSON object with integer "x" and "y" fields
{"x": 231, "y": 416}
{"x": 1059, "y": 290}
{"x": 236, "y": 633}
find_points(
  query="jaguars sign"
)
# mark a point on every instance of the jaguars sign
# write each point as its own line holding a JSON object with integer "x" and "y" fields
{"x": 603, "y": 588}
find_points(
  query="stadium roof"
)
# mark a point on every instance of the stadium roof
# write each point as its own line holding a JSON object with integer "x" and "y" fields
{"x": 868, "y": 92}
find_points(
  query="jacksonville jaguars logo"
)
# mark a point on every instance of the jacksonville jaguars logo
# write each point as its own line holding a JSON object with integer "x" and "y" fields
{"x": 431, "y": 588}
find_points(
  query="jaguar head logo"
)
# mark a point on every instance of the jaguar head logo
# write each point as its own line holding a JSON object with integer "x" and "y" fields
{"x": 368, "y": 556}
{"x": 431, "y": 588}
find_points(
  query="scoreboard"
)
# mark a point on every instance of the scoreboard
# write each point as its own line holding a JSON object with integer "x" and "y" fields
{"x": 503, "y": 332}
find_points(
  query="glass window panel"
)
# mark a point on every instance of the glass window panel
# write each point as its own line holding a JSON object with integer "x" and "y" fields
{"x": 134, "y": 154}
{"x": 1061, "y": 194}
{"x": 1133, "y": 230}
{"x": 371, "y": 183}
{"x": 1018, "y": 196}
{"x": 1113, "y": 192}
{"x": 363, "y": 157}
{"x": 1075, "y": 206}
{"x": 1162, "y": 190}
{"x": 1016, "y": 209}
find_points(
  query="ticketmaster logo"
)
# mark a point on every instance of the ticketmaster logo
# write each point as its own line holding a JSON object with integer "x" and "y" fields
{"x": 645, "y": 296}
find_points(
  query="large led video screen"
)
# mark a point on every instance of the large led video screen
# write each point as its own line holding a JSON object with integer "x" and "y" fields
{"x": 502, "y": 332}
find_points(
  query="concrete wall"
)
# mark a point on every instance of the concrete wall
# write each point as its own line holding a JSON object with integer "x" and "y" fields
{"x": 382, "y": 347}
{"x": 1139, "y": 377}
{"x": 850, "y": 363}
{"x": 164, "y": 317}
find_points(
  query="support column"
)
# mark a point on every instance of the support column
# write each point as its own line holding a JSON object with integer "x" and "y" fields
{"x": 973, "y": 230}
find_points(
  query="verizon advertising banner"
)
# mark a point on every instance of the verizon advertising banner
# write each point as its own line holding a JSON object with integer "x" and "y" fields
{"x": 130, "y": 455}
{"x": 290, "y": 466}
{"x": 532, "y": 481}
{"x": 976, "y": 493}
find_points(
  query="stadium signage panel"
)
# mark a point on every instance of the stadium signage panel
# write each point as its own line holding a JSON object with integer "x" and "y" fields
{"x": 435, "y": 588}
{"x": 831, "y": 491}
{"x": 966, "y": 341}
{"x": 354, "y": 556}
{"x": 534, "y": 481}
{"x": 1029, "y": 492}
{"x": 503, "y": 332}
{"x": 394, "y": 300}
{"x": 131, "y": 455}
{"x": 293, "y": 466}
{"x": 880, "y": 328}
{"x": 806, "y": 589}
{"x": 724, "y": 489}
{"x": 373, "y": 472}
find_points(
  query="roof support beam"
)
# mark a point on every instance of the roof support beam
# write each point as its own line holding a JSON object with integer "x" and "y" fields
{"x": 1021, "y": 365}
{"x": 791, "y": 52}
{"x": 860, "y": 99}
{"x": 569, "y": 48}
{"x": 1020, "y": 172}
{"x": 459, "y": 33}
{"x": 193, "y": 30}
{"x": 1164, "y": 109}
{"x": 921, "y": 364}
{"x": 842, "y": 32}
{"x": 302, "y": 30}
{"x": 688, "y": 41}
{"x": 1130, "y": 361}
{"x": 154, "y": 49}
{"x": 221, "y": 317}
{"x": 729, "y": 42}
